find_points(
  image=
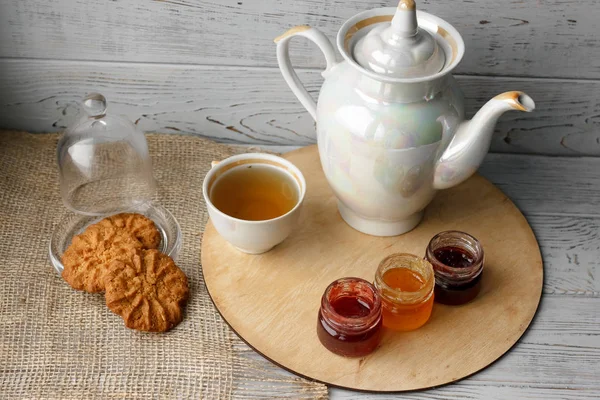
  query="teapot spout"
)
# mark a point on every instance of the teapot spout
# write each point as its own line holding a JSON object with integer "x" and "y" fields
{"x": 472, "y": 139}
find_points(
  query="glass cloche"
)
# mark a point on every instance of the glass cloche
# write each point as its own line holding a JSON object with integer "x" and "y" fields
{"x": 105, "y": 169}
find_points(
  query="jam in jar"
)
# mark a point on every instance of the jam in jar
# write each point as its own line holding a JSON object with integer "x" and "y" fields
{"x": 349, "y": 322}
{"x": 405, "y": 283}
{"x": 457, "y": 260}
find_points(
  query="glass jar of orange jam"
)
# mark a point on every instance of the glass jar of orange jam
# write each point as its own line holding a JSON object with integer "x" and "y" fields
{"x": 405, "y": 283}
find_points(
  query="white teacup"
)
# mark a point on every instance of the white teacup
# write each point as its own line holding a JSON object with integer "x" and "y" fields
{"x": 253, "y": 237}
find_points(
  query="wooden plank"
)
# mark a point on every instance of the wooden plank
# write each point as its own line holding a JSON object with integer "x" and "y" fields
{"x": 565, "y": 122}
{"x": 547, "y": 185}
{"x": 571, "y": 252}
{"x": 254, "y": 105}
{"x": 554, "y": 38}
{"x": 557, "y": 358}
{"x": 466, "y": 391}
{"x": 559, "y": 197}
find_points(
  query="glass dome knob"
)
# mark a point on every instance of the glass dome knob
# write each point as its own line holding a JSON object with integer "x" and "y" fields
{"x": 94, "y": 105}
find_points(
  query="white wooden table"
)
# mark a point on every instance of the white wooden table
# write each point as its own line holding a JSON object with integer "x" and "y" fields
{"x": 559, "y": 355}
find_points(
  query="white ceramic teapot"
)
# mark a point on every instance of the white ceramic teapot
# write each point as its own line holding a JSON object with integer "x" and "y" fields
{"x": 390, "y": 118}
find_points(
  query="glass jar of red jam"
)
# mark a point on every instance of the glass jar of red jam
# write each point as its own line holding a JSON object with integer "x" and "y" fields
{"x": 349, "y": 321}
{"x": 405, "y": 283}
{"x": 457, "y": 260}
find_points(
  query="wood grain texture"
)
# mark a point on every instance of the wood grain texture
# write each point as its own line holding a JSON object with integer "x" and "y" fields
{"x": 271, "y": 300}
{"x": 547, "y": 185}
{"x": 571, "y": 251}
{"x": 557, "y": 358}
{"x": 254, "y": 105}
{"x": 560, "y": 198}
{"x": 554, "y": 38}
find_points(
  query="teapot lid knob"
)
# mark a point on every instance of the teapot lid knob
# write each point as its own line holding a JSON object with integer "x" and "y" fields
{"x": 400, "y": 49}
{"x": 407, "y": 5}
{"x": 405, "y": 22}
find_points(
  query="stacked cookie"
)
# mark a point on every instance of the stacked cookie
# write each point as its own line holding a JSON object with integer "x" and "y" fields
{"x": 119, "y": 256}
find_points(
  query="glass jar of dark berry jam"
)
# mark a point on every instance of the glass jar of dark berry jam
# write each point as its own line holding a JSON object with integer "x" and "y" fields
{"x": 350, "y": 322}
{"x": 457, "y": 260}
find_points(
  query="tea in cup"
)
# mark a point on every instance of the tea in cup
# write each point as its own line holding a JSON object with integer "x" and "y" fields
{"x": 254, "y": 200}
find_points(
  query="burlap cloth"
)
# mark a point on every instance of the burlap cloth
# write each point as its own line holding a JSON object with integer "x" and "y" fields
{"x": 57, "y": 343}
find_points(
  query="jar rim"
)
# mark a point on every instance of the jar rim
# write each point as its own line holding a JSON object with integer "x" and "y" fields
{"x": 411, "y": 262}
{"x": 448, "y": 271}
{"x": 351, "y": 323}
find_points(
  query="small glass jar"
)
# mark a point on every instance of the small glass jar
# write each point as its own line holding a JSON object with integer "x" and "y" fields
{"x": 405, "y": 283}
{"x": 457, "y": 260}
{"x": 349, "y": 322}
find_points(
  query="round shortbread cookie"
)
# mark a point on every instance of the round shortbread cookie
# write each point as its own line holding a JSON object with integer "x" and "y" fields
{"x": 148, "y": 291}
{"x": 117, "y": 237}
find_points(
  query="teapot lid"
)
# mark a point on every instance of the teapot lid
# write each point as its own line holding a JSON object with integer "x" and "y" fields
{"x": 400, "y": 48}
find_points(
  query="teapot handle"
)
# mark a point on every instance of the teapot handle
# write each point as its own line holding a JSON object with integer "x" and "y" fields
{"x": 287, "y": 70}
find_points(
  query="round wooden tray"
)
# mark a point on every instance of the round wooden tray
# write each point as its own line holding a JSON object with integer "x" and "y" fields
{"x": 271, "y": 300}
